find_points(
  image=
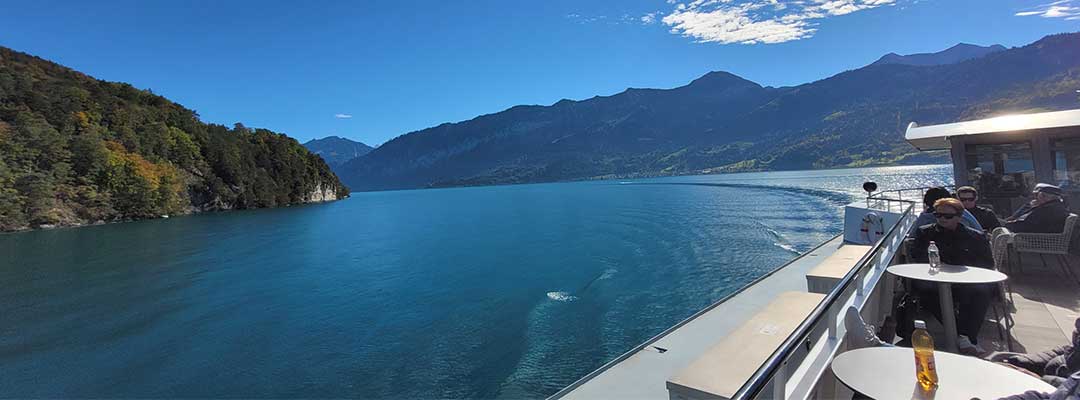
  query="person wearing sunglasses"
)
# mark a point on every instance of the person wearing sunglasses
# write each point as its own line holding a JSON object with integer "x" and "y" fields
{"x": 958, "y": 245}
{"x": 927, "y": 217}
{"x": 1045, "y": 213}
{"x": 986, "y": 217}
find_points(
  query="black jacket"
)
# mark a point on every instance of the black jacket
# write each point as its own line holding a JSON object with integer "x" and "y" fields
{"x": 1046, "y": 218}
{"x": 986, "y": 218}
{"x": 963, "y": 246}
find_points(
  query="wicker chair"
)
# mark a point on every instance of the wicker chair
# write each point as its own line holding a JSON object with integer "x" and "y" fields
{"x": 1056, "y": 244}
{"x": 1003, "y": 298}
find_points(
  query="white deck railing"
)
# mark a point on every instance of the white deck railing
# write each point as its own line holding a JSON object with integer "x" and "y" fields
{"x": 794, "y": 370}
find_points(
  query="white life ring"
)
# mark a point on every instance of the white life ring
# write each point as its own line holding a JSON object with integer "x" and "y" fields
{"x": 872, "y": 228}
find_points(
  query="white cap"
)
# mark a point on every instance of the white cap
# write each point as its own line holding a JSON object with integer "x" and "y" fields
{"x": 919, "y": 324}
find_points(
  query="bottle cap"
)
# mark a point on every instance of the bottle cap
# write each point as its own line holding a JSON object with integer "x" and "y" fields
{"x": 920, "y": 324}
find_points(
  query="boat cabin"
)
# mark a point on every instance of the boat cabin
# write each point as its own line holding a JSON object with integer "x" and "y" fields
{"x": 1004, "y": 157}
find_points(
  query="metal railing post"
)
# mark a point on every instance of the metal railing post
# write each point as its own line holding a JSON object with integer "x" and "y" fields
{"x": 834, "y": 326}
{"x": 859, "y": 283}
{"x": 780, "y": 382}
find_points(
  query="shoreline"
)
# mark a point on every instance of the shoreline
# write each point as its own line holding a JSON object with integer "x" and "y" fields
{"x": 53, "y": 227}
{"x": 640, "y": 176}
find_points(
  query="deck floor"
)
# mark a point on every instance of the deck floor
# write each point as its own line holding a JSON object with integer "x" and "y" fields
{"x": 1046, "y": 305}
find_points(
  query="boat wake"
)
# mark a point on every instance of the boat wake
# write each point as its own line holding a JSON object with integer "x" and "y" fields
{"x": 779, "y": 239}
{"x": 787, "y": 247}
{"x": 833, "y": 196}
{"x": 561, "y": 296}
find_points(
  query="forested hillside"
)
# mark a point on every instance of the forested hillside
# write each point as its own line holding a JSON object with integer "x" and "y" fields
{"x": 721, "y": 122}
{"x": 76, "y": 150}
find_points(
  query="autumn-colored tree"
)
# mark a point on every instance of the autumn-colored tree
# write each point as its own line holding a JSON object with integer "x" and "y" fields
{"x": 74, "y": 149}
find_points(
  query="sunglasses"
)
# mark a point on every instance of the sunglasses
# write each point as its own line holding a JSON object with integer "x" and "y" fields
{"x": 967, "y": 199}
{"x": 946, "y": 215}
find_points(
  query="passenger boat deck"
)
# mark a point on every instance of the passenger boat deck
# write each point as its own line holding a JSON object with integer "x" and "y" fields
{"x": 778, "y": 336}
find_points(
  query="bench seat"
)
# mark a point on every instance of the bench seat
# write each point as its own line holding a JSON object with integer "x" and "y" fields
{"x": 726, "y": 366}
{"x": 823, "y": 278}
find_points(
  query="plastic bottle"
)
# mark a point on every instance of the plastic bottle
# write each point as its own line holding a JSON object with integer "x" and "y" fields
{"x": 935, "y": 257}
{"x": 925, "y": 370}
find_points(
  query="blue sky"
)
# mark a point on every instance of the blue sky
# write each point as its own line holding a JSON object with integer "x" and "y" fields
{"x": 372, "y": 70}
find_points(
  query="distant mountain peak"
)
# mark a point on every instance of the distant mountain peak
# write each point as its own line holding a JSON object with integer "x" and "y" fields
{"x": 336, "y": 150}
{"x": 958, "y": 53}
{"x": 718, "y": 78}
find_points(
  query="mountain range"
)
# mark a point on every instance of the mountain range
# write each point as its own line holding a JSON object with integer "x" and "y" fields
{"x": 952, "y": 55}
{"x": 721, "y": 122}
{"x": 336, "y": 150}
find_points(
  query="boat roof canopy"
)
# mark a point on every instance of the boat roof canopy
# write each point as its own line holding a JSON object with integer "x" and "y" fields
{"x": 935, "y": 137}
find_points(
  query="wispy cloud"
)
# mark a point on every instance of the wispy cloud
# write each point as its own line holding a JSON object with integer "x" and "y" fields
{"x": 650, "y": 18}
{"x": 621, "y": 20}
{"x": 585, "y": 19}
{"x": 342, "y": 116}
{"x": 757, "y": 21}
{"x": 1068, "y": 9}
{"x": 624, "y": 19}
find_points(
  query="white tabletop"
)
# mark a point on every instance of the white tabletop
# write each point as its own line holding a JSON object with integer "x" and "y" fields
{"x": 885, "y": 373}
{"x": 948, "y": 273}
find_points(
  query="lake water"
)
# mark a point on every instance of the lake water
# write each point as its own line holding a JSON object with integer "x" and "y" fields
{"x": 509, "y": 291}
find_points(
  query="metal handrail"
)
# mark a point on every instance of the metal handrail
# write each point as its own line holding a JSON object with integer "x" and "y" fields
{"x": 881, "y": 195}
{"x": 765, "y": 373}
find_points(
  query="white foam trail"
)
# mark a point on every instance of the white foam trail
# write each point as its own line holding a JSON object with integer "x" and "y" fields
{"x": 787, "y": 247}
{"x": 781, "y": 240}
{"x": 561, "y": 296}
{"x": 608, "y": 273}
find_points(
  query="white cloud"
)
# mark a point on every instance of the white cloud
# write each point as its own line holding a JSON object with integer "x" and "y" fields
{"x": 758, "y": 21}
{"x": 1067, "y": 9}
{"x": 342, "y": 116}
{"x": 649, "y": 19}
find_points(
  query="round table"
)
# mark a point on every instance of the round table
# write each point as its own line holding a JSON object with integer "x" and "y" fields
{"x": 884, "y": 373}
{"x": 945, "y": 277}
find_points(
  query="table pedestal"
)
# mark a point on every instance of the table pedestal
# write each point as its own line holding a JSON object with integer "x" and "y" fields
{"x": 948, "y": 316}
{"x": 945, "y": 276}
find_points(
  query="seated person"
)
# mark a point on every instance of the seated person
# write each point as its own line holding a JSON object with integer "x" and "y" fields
{"x": 986, "y": 217}
{"x": 957, "y": 245}
{"x": 927, "y": 216}
{"x": 1045, "y": 213}
{"x": 1068, "y": 389}
{"x": 1053, "y": 365}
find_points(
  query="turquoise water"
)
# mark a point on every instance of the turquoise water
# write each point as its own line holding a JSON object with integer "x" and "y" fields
{"x": 509, "y": 291}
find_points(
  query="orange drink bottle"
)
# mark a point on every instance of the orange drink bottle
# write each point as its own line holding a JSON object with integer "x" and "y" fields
{"x": 923, "y": 344}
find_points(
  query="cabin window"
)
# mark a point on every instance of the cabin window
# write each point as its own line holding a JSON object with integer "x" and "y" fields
{"x": 1003, "y": 173}
{"x": 1066, "y": 156}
